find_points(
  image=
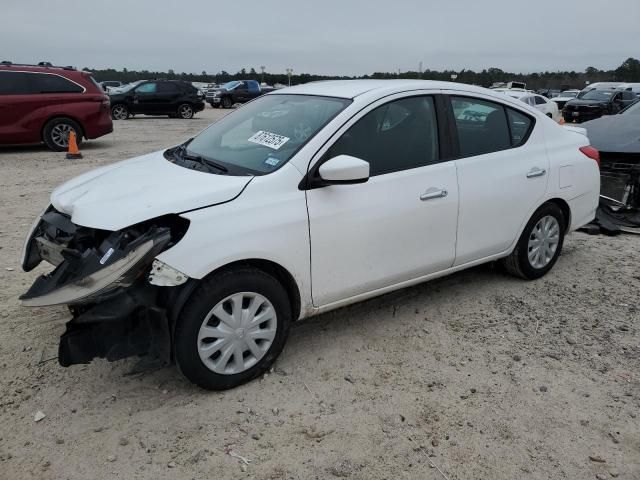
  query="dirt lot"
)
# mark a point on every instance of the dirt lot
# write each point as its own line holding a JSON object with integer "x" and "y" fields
{"x": 479, "y": 375}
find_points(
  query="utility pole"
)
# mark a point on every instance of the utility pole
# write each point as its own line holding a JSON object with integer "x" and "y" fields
{"x": 289, "y": 72}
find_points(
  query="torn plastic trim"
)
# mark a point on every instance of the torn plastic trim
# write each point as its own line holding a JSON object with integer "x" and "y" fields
{"x": 130, "y": 322}
{"x": 162, "y": 275}
{"x": 29, "y": 256}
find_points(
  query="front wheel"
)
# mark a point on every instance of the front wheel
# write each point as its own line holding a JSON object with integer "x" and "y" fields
{"x": 232, "y": 329}
{"x": 226, "y": 102}
{"x": 539, "y": 245}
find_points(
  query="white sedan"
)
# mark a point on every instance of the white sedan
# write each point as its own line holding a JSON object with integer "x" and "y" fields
{"x": 302, "y": 201}
{"x": 546, "y": 106}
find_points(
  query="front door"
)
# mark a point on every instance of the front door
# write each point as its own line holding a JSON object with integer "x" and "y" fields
{"x": 401, "y": 223}
{"x": 145, "y": 99}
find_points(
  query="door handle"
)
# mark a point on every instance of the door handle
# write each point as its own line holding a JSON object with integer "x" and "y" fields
{"x": 432, "y": 193}
{"x": 536, "y": 172}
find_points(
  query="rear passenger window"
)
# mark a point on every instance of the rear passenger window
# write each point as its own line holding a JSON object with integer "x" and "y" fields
{"x": 396, "y": 136}
{"x": 13, "y": 83}
{"x": 49, "y": 83}
{"x": 167, "y": 87}
{"x": 482, "y": 126}
{"x": 519, "y": 124}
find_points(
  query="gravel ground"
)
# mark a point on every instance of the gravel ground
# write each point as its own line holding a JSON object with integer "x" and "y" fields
{"x": 474, "y": 376}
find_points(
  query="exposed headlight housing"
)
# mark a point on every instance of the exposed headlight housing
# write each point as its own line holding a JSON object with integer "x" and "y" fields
{"x": 120, "y": 273}
{"x": 92, "y": 263}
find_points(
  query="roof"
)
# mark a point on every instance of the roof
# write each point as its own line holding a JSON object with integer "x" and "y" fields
{"x": 518, "y": 93}
{"x": 354, "y": 88}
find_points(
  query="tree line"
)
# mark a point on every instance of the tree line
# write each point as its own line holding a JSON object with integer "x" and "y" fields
{"x": 628, "y": 71}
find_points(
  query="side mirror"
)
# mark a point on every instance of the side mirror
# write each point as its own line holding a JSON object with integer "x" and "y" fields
{"x": 344, "y": 169}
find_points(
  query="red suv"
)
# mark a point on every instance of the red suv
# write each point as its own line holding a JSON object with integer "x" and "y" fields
{"x": 43, "y": 103}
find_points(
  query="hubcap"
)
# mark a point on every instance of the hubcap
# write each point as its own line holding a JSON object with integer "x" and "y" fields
{"x": 119, "y": 113}
{"x": 186, "y": 111}
{"x": 60, "y": 134}
{"x": 543, "y": 241}
{"x": 237, "y": 333}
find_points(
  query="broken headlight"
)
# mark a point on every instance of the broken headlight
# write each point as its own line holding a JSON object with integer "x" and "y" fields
{"x": 91, "y": 263}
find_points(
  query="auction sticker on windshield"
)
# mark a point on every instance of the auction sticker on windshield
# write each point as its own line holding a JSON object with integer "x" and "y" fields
{"x": 268, "y": 139}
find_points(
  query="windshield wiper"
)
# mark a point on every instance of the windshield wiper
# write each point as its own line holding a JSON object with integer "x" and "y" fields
{"x": 200, "y": 159}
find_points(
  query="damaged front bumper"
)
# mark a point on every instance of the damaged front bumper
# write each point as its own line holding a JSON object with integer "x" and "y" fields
{"x": 113, "y": 286}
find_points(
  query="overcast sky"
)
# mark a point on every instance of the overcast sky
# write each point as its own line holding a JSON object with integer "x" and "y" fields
{"x": 348, "y": 37}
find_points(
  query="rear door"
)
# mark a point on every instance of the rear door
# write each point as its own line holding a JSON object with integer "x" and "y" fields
{"x": 502, "y": 174}
{"x": 399, "y": 225}
{"x": 168, "y": 97}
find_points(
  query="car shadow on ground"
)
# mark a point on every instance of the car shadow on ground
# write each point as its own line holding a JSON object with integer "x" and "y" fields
{"x": 150, "y": 372}
{"x": 41, "y": 147}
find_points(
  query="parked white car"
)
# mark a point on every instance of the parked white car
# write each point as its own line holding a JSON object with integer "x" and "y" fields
{"x": 302, "y": 201}
{"x": 545, "y": 105}
{"x": 564, "y": 97}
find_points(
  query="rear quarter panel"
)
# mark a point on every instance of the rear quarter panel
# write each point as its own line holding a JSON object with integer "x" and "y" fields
{"x": 573, "y": 176}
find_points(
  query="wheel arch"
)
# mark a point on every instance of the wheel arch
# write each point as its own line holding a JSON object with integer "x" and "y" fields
{"x": 272, "y": 268}
{"x": 566, "y": 210}
{"x": 55, "y": 116}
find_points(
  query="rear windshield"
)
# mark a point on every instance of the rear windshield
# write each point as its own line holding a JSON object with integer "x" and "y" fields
{"x": 264, "y": 134}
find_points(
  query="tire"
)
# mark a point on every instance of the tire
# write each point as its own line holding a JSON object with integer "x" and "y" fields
{"x": 56, "y": 133}
{"x": 226, "y": 102}
{"x": 518, "y": 263}
{"x": 215, "y": 293}
{"x": 119, "y": 111}
{"x": 185, "y": 111}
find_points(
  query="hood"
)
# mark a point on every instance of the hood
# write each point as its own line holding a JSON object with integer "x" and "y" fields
{"x": 146, "y": 187}
{"x": 615, "y": 133}
{"x": 579, "y": 101}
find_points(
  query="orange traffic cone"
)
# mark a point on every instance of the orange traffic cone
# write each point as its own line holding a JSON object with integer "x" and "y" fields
{"x": 73, "y": 151}
{"x": 561, "y": 121}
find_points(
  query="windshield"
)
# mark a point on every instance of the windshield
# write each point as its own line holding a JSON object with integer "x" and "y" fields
{"x": 230, "y": 85}
{"x": 598, "y": 95}
{"x": 130, "y": 86}
{"x": 264, "y": 134}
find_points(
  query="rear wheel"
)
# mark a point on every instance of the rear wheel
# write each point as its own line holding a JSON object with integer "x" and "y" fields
{"x": 185, "y": 111}
{"x": 119, "y": 112}
{"x": 232, "y": 329}
{"x": 56, "y": 133}
{"x": 539, "y": 245}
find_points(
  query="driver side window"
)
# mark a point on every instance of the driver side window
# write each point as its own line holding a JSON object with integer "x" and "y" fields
{"x": 399, "y": 135}
{"x": 146, "y": 88}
